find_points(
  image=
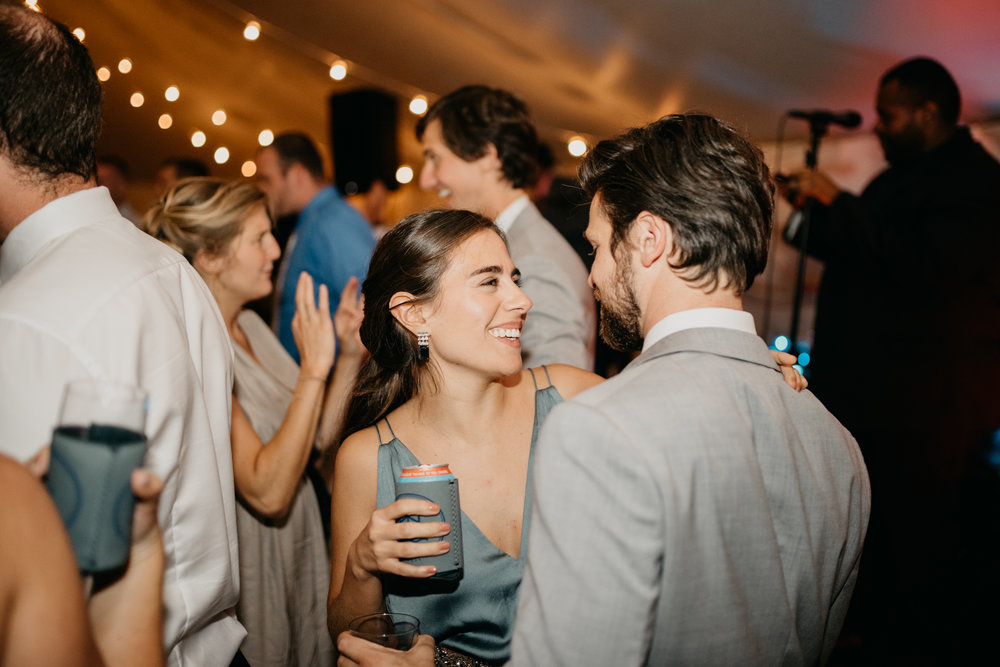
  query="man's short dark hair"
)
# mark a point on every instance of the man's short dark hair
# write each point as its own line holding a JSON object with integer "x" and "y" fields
{"x": 704, "y": 179}
{"x": 297, "y": 148}
{"x": 475, "y": 116}
{"x": 187, "y": 167}
{"x": 50, "y": 98}
{"x": 926, "y": 80}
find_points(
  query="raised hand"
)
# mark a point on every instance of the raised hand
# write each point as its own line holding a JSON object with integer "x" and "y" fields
{"x": 312, "y": 328}
{"x": 347, "y": 320}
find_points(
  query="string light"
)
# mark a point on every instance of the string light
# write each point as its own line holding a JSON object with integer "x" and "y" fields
{"x": 252, "y": 31}
{"x": 418, "y": 105}
{"x": 404, "y": 174}
{"x": 338, "y": 70}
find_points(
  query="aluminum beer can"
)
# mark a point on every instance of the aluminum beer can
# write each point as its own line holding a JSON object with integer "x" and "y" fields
{"x": 435, "y": 483}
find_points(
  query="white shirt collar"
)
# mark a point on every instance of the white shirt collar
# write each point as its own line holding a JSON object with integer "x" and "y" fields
{"x": 697, "y": 318}
{"x": 54, "y": 220}
{"x": 509, "y": 214}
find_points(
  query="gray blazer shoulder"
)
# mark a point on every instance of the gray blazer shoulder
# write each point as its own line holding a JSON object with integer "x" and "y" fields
{"x": 562, "y": 324}
{"x": 693, "y": 509}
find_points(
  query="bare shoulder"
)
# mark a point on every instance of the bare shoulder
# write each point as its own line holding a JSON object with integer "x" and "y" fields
{"x": 359, "y": 451}
{"x": 568, "y": 380}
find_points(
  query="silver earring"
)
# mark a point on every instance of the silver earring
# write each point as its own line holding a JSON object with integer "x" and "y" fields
{"x": 423, "y": 345}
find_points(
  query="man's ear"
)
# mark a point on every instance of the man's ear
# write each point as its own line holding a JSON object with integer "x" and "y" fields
{"x": 208, "y": 263}
{"x": 653, "y": 237}
{"x": 407, "y": 311}
{"x": 490, "y": 159}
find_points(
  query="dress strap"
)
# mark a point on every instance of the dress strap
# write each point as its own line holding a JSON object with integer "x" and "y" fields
{"x": 389, "y": 426}
{"x": 379, "y": 434}
{"x": 547, "y": 378}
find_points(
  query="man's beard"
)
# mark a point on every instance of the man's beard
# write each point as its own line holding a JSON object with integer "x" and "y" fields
{"x": 621, "y": 319}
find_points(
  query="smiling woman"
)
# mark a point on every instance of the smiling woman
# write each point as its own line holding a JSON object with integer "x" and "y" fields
{"x": 444, "y": 276}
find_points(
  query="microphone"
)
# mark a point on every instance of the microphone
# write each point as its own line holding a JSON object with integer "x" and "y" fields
{"x": 849, "y": 119}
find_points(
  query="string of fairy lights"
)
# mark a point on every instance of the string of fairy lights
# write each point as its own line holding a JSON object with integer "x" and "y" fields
{"x": 252, "y": 30}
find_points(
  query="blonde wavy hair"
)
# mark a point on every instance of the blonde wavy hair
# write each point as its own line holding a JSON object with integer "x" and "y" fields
{"x": 202, "y": 214}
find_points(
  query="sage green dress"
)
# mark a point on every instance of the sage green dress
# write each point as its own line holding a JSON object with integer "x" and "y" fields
{"x": 474, "y": 615}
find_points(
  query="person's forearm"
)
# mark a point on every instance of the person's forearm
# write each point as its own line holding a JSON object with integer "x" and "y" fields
{"x": 337, "y": 394}
{"x": 133, "y": 602}
{"x": 360, "y": 593}
{"x": 278, "y": 465}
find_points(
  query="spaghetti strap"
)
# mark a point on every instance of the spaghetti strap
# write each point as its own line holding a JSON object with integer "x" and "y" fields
{"x": 379, "y": 434}
{"x": 390, "y": 428}
{"x": 547, "y": 378}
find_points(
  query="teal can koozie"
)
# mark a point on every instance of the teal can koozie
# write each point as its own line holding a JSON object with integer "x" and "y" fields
{"x": 436, "y": 484}
{"x": 90, "y": 483}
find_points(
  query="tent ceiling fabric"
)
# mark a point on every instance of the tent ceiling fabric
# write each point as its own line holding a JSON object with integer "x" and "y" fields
{"x": 591, "y": 67}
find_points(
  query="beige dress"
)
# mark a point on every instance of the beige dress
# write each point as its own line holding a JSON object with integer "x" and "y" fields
{"x": 284, "y": 566}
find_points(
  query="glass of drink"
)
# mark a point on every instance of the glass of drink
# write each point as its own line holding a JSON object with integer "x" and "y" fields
{"x": 388, "y": 629}
{"x": 98, "y": 441}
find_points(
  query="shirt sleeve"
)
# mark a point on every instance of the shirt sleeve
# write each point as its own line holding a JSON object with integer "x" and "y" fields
{"x": 595, "y": 548}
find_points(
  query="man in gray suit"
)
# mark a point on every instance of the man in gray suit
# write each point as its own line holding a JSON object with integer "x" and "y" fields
{"x": 693, "y": 509}
{"x": 480, "y": 152}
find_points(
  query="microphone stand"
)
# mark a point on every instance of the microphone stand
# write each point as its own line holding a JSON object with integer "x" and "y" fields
{"x": 817, "y": 130}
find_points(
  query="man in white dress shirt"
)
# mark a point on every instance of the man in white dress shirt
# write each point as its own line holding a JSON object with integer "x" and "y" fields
{"x": 84, "y": 294}
{"x": 480, "y": 153}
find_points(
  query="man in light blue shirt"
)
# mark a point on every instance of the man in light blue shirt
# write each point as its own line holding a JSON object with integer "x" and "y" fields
{"x": 332, "y": 241}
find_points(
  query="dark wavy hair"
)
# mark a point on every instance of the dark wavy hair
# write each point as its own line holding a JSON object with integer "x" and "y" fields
{"x": 702, "y": 177}
{"x": 411, "y": 257}
{"x": 473, "y": 117}
{"x": 50, "y": 98}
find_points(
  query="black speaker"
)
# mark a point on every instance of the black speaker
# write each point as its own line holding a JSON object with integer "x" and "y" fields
{"x": 363, "y": 136}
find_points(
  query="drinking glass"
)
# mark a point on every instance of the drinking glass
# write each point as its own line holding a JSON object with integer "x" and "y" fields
{"x": 98, "y": 441}
{"x": 388, "y": 629}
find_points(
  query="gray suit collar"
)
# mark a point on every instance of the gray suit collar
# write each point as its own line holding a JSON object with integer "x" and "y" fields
{"x": 721, "y": 342}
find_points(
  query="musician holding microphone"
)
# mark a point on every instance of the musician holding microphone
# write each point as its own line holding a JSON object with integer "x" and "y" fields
{"x": 912, "y": 273}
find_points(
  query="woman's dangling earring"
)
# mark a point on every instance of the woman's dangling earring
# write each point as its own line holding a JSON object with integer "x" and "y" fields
{"x": 423, "y": 345}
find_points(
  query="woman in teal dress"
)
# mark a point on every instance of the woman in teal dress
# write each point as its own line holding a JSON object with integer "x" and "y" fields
{"x": 468, "y": 404}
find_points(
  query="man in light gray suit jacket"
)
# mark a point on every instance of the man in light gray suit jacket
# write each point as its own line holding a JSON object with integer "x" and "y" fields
{"x": 480, "y": 152}
{"x": 693, "y": 509}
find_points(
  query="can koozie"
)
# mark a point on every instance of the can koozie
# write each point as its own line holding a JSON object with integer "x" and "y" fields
{"x": 436, "y": 484}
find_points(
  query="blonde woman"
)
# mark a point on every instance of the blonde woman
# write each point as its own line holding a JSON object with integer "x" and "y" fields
{"x": 280, "y": 410}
